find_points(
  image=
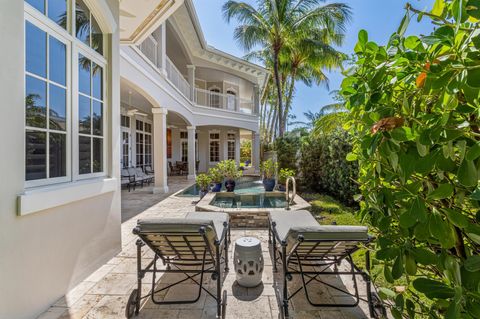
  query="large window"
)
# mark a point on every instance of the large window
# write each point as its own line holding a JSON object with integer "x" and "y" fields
{"x": 143, "y": 143}
{"x": 184, "y": 145}
{"x": 61, "y": 126}
{"x": 231, "y": 145}
{"x": 214, "y": 147}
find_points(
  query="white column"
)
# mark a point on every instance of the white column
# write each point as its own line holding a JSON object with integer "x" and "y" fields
{"x": 224, "y": 144}
{"x": 256, "y": 151}
{"x": 163, "y": 48}
{"x": 256, "y": 99}
{"x": 191, "y": 153}
{"x": 160, "y": 149}
{"x": 237, "y": 147}
{"x": 191, "y": 80}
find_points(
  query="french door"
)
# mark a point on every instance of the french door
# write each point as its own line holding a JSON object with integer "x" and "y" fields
{"x": 126, "y": 160}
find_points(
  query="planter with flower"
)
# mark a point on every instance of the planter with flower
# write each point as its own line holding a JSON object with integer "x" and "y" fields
{"x": 230, "y": 173}
{"x": 216, "y": 177}
{"x": 203, "y": 183}
{"x": 269, "y": 168}
{"x": 283, "y": 175}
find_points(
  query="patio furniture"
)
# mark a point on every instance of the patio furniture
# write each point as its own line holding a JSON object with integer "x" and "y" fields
{"x": 183, "y": 167}
{"x": 304, "y": 247}
{"x": 127, "y": 179}
{"x": 193, "y": 246}
{"x": 150, "y": 172}
{"x": 140, "y": 174}
{"x": 174, "y": 170}
{"x": 248, "y": 261}
{"x": 132, "y": 171}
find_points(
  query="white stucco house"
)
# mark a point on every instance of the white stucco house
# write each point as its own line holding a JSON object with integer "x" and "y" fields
{"x": 89, "y": 87}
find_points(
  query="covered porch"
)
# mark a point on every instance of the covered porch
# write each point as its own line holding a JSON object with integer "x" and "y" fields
{"x": 176, "y": 142}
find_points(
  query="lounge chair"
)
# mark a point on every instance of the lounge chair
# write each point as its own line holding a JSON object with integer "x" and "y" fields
{"x": 132, "y": 171}
{"x": 150, "y": 172}
{"x": 304, "y": 247}
{"x": 141, "y": 175}
{"x": 200, "y": 240}
{"x": 127, "y": 179}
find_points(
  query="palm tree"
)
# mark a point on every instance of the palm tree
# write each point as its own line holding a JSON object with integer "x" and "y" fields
{"x": 275, "y": 24}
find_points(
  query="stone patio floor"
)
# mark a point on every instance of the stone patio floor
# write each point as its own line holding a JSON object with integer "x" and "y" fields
{"x": 104, "y": 294}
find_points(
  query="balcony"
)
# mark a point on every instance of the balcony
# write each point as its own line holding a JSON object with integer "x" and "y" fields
{"x": 218, "y": 100}
{"x": 212, "y": 99}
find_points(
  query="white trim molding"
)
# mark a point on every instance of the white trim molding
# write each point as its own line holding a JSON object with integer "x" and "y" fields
{"x": 35, "y": 200}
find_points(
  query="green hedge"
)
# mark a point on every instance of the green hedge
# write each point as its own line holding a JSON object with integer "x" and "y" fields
{"x": 323, "y": 166}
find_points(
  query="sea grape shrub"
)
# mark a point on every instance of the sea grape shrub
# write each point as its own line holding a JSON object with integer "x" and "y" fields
{"x": 414, "y": 115}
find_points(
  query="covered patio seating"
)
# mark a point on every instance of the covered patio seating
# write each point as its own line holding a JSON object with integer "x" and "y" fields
{"x": 307, "y": 249}
{"x": 193, "y": 246}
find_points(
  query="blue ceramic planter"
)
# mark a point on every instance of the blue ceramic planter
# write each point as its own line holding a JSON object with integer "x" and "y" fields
{"x": 230, "y": 185}
{"x": 217, "y": 187}
{"x": 269, "y": 184}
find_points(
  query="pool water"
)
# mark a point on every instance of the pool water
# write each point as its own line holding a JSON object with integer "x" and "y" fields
{"x": 244, "y": 185}
{"x": 262, "y": 200}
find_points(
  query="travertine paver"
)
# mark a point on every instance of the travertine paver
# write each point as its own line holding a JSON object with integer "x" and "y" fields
{"x": 104, "y": 294}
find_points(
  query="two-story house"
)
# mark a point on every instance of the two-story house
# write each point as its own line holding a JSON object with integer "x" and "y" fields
{"x": 89, "y": 87}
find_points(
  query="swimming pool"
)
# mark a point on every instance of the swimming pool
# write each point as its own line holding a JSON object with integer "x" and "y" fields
{"x": 260, "y": 200}
{"x": 245, "y": 184}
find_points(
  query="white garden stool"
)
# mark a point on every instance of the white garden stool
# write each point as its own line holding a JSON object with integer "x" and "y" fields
{"x": 248, "y": 261}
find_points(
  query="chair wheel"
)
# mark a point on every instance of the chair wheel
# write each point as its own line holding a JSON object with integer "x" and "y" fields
{"x": 130, "y": 309}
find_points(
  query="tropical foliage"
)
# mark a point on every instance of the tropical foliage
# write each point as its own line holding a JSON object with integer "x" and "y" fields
{"x": 269, "y": 168}
{"x": 296, "y": 40}
{"x": 285, "y": 173}
{"x": 203, "y": 181}
{"x": 323, "y": 166}
{"x": 414, "y": 107}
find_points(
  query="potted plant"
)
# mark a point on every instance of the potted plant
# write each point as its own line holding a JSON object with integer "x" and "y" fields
{"x": 203, "y": 182}
{"x": 216, "y": 177}
{"x": 269, "y": 168}
{"x": 283, "y": 174}
{"x": 230, "y": 171}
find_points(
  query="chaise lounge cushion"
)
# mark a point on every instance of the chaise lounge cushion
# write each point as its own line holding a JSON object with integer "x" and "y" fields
{"x": 290, "y": 225}
{"x": 217, "y": 218}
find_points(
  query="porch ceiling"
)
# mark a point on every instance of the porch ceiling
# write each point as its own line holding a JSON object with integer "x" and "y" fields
{"x": 138, "y": 18}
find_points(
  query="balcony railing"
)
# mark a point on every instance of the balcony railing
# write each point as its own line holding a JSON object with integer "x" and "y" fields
{"x": 149, "y": 47}
{"x": 223, "y": 101}
{"x": 176, "y": 77}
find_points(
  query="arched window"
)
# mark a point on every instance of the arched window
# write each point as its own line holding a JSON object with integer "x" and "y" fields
{"x": 215, "y": 97}
{"x": 64, "y": 129}
{"x": 231, "y": 100}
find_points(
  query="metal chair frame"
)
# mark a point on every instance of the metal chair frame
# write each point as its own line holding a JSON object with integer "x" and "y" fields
{"x": 294, "y": 262}
{"x": 209, "y": 260}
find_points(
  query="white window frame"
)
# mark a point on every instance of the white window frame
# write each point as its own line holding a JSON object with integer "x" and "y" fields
{"x": 209, "y": 145}
{"x": 182, "y": 141}
{"x": 133, "y": 126}
{"x": 74, "y": 48}
{"x": 230, "y": 140}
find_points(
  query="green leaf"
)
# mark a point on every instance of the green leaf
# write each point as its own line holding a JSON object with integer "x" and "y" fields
{"x": 388, "y": 274}
{"x": 351, "y": 157}
{"x": 467, "y": 173}
{"x": 416, "y": 212}
{"x": 441, "y": 230}
{"x": 476, "y": 194}
{"x": 386, "y": 293}
{"x": 404, "y": 25}
{"x": 472, "y": 263}
{"x": 473, "y": 152}
{"x": 410, "y": 265}
{"x": 412, "y": 42}
{"x": 363, "y": 37}
{"x": 441, "y": 192}
{"x": 424, "y": 256}
{"x": 473, "y": 78}
{"x": 456, "y": 218}
{"x": 438, "y": 7}
{"x": 473, "y": 8}
{"x": 410, "y": 308}
{"x": 397, "y": 269}
{"x": 433, "y": 289}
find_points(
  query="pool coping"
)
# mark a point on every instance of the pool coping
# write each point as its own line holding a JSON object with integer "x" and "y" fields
{"x": 205, "y": 205}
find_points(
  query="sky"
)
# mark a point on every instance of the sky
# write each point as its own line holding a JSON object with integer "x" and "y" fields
{"x": 379, "y": 17}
